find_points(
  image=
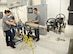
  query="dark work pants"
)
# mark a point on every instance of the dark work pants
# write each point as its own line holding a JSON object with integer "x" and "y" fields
{"x": 24, "y": 30}
{"x": 9, "y": 38}
{"x": 37, "y": 33}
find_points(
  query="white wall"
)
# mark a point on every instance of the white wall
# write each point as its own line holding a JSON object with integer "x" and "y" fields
{"x": 54, "y": 7}
{"x": 3, "y": 1}
{"x": 3, "y": 7}
{"x": 36, "y": 2}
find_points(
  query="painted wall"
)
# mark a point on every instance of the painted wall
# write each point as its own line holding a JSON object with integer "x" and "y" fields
{"x": 36, "y": 2}
{"x": 3, "y": 1}
{"x": 3, "y": 7}
{"x": 54, "y": 8}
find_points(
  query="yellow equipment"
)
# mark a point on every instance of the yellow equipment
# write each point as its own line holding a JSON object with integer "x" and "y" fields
{"x": 29, "y": 42}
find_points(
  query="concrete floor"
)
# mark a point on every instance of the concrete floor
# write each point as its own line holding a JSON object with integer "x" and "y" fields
{"x": 48, "y": 44}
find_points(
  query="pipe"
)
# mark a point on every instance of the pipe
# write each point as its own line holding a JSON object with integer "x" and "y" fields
{"x": 37, "y": 26}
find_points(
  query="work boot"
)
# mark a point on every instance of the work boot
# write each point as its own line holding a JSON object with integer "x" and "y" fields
{"x": 13, "y": 47}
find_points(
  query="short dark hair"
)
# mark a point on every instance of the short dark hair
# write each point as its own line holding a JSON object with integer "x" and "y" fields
{"x": 7, "y": 11}
{"x": 36, "y": 9}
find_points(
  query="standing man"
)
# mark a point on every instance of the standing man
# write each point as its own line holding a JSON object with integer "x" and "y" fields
{"x": 6, "y": 23}
{"x": 36, "y": 21}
